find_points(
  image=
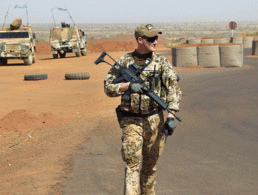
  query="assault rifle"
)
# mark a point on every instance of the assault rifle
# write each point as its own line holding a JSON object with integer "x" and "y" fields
{"x": 131, "y": 74}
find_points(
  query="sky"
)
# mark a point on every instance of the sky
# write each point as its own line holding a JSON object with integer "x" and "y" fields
{"x": 134, "y": 11}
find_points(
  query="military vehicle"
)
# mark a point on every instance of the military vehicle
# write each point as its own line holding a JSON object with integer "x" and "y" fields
{"x": 17, "y": 42}
{"x": 67, "y": 39}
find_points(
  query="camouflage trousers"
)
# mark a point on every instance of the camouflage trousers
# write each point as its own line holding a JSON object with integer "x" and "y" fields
{"x": 142, "y": 142}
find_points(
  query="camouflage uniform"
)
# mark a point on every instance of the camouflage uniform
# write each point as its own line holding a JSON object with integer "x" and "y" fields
{"x": 142, "y": 137}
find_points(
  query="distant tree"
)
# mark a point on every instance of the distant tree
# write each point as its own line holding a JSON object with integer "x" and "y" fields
{"x": 41, "y": 39}
{"x": 91, "y": 38}
{"x": 120, "y": 34}
{"x": 249, "y": 33}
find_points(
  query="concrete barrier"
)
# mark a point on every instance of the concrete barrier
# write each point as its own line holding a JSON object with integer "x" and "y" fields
{"x": 184, "y": 56}
{"x": 207, "y": 41}
{"x": 193, "y": 41}
{"x": 237, "y": 40}
{"x": 208, "y": 56}
{"x": 247, "y": 42}
{"x": 255, "y": 48}
{"x": 255, "y": 38}
{"x": 231, "y": 55}
{"x": 221, "y": 40}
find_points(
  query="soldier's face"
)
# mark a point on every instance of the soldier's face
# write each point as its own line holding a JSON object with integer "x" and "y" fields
{"x": 148, "y": 44}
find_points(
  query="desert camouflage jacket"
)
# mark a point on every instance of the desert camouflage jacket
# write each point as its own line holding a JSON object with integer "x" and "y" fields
{"x": 166, "y": 87}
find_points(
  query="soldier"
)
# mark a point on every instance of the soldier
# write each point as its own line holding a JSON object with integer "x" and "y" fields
{"x": 140, "y": 118}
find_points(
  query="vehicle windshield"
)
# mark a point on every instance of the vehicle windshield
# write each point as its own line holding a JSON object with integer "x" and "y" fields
{"x": 13, "y": 35}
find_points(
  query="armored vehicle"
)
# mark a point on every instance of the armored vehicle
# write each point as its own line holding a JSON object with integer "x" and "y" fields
{"x": 67, "y": 39}
{"x": 17, "y": 42}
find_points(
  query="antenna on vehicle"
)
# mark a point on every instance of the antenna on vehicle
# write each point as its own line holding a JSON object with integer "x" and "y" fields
{"x": 6, "y": 14}
{"x": 70, "y": 15}
{"x": 53, "y": 17}
{"x": 24, "y": 6}
{"x": 61, "y": 9}
{"x": 27, "y": 14}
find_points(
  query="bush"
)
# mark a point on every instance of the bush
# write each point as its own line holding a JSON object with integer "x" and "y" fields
{"x": 120, "y": 34}
{"x": 249, "y": 33}
{"x": 41, "y": 39}
{"x": 91, "y": 38}
{"x": 174, "y": 42}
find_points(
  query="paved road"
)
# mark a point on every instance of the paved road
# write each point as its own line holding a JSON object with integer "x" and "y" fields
{"x": 213, "y": 150}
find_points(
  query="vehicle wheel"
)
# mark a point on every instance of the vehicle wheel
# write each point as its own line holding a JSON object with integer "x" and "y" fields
{"x": 34, "y": 59}
{"x": 78, "y": 54}
{"x": 38, "y": 76}
{"x": 28, "y": 60}
{"x": 3, "y": 61}
{"x": 55, "y": 55}
{"x": 62, "y": 55}
{"x": 84, "y": 52}
{"x": 77, "y": 76}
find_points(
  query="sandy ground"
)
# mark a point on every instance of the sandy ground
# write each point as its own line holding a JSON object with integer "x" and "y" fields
{"x": 38, "y": 118}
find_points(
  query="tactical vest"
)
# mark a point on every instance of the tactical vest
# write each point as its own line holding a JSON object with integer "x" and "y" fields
{"x": 139, "y": 103}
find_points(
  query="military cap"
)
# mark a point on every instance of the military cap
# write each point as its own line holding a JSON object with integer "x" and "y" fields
{"x": 146, "y": 30}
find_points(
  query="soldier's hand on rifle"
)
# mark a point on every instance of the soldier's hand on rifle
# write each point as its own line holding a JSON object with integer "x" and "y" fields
{"x": 169, "y": 127}
{"x": 124, "y": 87}
{"x": 136, "y": 88}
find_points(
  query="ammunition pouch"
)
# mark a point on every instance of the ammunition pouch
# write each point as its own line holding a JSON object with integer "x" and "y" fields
{"x": 120, "y": 114}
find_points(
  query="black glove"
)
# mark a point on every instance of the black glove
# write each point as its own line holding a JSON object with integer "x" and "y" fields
{"x": 136, "y": 88}
{"x": 169, "y": 127}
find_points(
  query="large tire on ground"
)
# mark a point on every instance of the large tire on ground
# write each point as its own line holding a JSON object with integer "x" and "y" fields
{"x": 55, "y": 55}
{"x": 77, "y": 76}
{"x": 28, "y": 60}
{"x": 84, "y": 51}
{"x": 33, "y": 77}
{"x": 62, "y": 55}
{"x": 78, "y": 54}
{"x": 34, "y": 59}
{"x": 3, "y": 61}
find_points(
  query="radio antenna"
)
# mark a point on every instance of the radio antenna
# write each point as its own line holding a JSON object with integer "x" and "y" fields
{"x": 6, "y": 14}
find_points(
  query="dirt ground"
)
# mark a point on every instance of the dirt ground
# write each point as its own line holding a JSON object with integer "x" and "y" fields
{"x": 38, "y": 118}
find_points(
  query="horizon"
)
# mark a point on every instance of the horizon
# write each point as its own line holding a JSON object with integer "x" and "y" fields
{"x": 172, "y": 22}
{"x": 119, "y": 12}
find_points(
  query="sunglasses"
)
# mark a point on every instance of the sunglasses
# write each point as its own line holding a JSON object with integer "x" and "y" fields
{"x": 151, "y": 39}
